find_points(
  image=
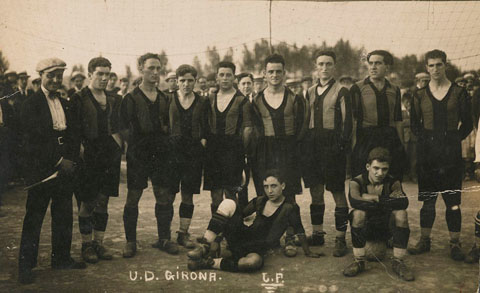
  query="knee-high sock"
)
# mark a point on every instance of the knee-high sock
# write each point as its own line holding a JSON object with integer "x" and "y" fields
{"x": 454, "y": 219}
{"x": 86, "y": 227}
{"x": 130, "y": 217}
{"x": 341, "y": 219}
{"x": 400, "y": 237}
{"x": 358, "y": 242}
{"x": 316, "y": 213}
{"x": 217, "y": 223}
{"x": 163, "y": 213}
{"x": 213, "y": 208}
{"x": 229, "y": 265}
{"x": 186, "y": 213}
{"x": 477, "y": 229}
{"x": 427, "y": 215}
{"x": 100, "y": 221}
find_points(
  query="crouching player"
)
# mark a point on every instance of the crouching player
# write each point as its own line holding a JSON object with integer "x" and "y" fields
{"x": 248, "y": 245}
{"x": 375, "y": 194}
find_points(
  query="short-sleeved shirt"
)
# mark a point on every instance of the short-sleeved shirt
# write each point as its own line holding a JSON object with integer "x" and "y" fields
{"x": 374, "y": 107}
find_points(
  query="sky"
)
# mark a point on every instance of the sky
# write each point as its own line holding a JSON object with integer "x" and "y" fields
{"x": 122, "y": 30}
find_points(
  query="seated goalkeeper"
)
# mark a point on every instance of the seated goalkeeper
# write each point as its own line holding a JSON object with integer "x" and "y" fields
{"x": 248, "y": 245}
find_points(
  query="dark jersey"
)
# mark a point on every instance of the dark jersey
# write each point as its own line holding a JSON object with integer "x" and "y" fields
{"x": 430, "y": 114}
{"x": 191, "y": 122}
{"x": 331, "y": 110}
{"x": 233, "y": 119}
{"x": 144, "y": 117}
{"x": 287, "y": 120}
{"x": 373, "y": 107}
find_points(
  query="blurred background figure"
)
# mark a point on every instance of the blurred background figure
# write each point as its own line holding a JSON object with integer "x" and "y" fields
{"x": 258, "y": 84}
{"x": 202, "y": 85}
{"x": 77, "y": 80}
{"x": 307, "y": 82}
{"x": 346, "y": 81}
{"x": 124, "y": 85}
{"x": 112, "y": 87}
{"x": 421, "y": 79}
{"x": 172, "y": 84}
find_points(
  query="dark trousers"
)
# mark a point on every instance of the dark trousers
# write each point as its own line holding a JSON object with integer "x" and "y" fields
{"x": 60, "y": 194}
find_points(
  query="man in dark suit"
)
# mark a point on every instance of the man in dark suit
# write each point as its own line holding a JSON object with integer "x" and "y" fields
{"x": 6, "y": 121}
{"x": 51, "y": 146}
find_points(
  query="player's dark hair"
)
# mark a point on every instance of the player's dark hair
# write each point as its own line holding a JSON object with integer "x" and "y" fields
{"x": 226, "y": 64}
{"x": 434, "y": 54}
{"x": 243, "y": 75}
{"x": 276, "y": 174}
{"x": 124, "y": 79}
{"x": 98, "y": 62}
{"x": 379, "y": 154}
{"x": 113, "y": 74}
{"x": 274, "y": 58}
{"x": 387, "y": 57}
{"x": 186, "y": 69}
{"x": 145, "y": 57}
{"x": 325, "y": 53}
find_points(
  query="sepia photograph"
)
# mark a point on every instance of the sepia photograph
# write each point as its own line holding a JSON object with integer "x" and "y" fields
{"x": 239, "y": 146}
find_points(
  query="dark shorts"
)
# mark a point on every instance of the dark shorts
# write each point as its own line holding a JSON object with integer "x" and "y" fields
{"x": 148, "y": 158}
{"x": 323, "y": 160}
{"x": 224, "y": 163}
{"x": 185, "y": 165}
{"x": 370, "y": 137}
{"x": 377, "y": 224}
{"x": 440, "y": 168}
{"x": 280, "y": 153}
{"x": 101, "y": 169}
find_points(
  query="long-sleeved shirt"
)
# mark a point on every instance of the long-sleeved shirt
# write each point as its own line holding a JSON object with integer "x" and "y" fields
{"x": 361, "y": 185}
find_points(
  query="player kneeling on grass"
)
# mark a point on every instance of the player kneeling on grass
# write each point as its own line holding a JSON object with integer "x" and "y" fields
{"x": 377, "y": 194}
{"x": 248, "y": 245}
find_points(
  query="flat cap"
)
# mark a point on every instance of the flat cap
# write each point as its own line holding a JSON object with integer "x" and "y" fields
{"x": 171, "y": 75}
{"x": 77, "y": 73}
{"x": 422, "y": 75}
{"x": 459, "y": 79}
{"x": 257, "y": 77}
{"x": 23, "y": 74}
{"x": 51, "y": 64}
{"x": 10, "y": 72}
{"x": 307, "y": 78}
{"x": 469, "y": 76}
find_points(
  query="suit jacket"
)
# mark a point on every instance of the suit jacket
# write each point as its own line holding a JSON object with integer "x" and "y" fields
{"x": 42, "y": 150}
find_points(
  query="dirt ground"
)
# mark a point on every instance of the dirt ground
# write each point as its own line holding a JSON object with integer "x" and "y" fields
{"x": 155, "y": 271}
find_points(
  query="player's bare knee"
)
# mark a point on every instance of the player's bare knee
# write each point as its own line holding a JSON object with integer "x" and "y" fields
{"x": 401, "y": 218}
{"x": 251, "y": 262}
{"x": 358, "y": 218}
{"x": 227, "y": 208}
{"x": 455, "y": 208}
